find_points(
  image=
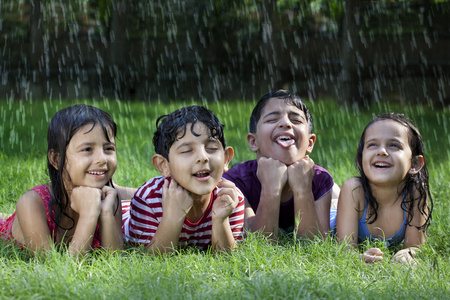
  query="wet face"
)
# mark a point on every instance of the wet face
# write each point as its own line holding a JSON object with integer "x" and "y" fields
{"x": 386, "y": 156}
{"x": 197, "y": 162}
{"x": 282, "y": 133}
{"x": 90, "y": 159}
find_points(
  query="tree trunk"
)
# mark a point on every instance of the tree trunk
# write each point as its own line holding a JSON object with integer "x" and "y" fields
{"x": 350, "y": 85}
{"x": 37, "y": 60}
{"x": 270, "y": 32}
{"x": 118, "y": 46}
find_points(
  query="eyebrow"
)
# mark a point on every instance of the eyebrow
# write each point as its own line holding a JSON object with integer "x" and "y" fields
{"x": 390, "y": 140}
{"x": 93, "y": 143}
{"x": 277, "y": 113}
{"x": 208, "y": 140}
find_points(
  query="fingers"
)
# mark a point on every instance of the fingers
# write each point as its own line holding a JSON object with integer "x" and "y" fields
{"x": 372, "y": 255}
{"x": 228, "y": 189}
{"x": 175, "y": 198}
{"x": 107, "y": 191}
{"x": 85, "y": 199}
{"x": 374, "y": 251}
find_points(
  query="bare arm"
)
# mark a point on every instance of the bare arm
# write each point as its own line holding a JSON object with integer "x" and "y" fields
{"x": 125, "y": 193}
{"x": 176, "y": 204}
{"x": 85, "y": 201}
{"x": 30, "y": 224}
{"x": 414, "y": 238}
{"x": 227, "y": 200}
{"x": 347, "y": 219}
{"x": 110, "y": 220}
{"x": 273, "y": 176}
{"x": 313, "y": 217}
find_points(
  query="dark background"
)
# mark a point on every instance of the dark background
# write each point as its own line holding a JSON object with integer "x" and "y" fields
{"x": 356, "y": 52}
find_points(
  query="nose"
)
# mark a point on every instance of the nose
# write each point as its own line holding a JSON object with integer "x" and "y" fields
{"x": 202, "y": 156}
{"x": 100, "y": 157}
{"x": 382, "y": 151}
{"x": 285, "y": 122}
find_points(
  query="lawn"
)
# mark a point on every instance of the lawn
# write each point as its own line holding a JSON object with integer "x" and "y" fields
{"x": 259, "y": 269}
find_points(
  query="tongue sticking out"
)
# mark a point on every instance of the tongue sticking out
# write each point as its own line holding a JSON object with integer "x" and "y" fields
{"x": 285, "y": 142}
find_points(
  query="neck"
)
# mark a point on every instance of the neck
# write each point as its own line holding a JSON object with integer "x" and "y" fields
{"x": 199, "y": 207}
{"x": 386, "y": 195}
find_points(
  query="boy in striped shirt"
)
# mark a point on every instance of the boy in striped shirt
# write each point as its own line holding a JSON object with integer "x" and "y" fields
{"x": 190, "y": 203}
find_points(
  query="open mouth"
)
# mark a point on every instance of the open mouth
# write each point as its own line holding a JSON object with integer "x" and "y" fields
{"x": 382, "y": 165}
{"x": 97, "y": 173}
{"x": 203, "y": 174}
{"x": 285, "y": 141}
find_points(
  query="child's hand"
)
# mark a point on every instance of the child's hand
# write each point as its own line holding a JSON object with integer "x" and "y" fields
{"x": 301, "y": 174}
{"x": 405, "y": 256}
{"x": 176, "y": 201}
{"x": 86, "y": 201}
{"x": 372, "y": 255}
{"x": 272, "y": 174}
{"x": 227, "y": 200}
{"x": 109, "y": 199}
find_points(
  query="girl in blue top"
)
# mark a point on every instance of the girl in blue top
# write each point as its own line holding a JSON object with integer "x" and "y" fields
{"x": 391, "y": 199}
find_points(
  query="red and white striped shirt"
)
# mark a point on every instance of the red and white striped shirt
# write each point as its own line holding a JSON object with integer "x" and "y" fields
{"x": 141, "y": 219}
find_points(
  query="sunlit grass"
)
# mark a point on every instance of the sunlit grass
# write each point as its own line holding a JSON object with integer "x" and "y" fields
{"x": 258, "y": 269}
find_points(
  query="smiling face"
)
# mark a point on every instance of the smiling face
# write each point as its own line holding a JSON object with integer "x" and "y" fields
{"x": 196, "y": 162}
{"x": 282, "y": 133}
{"x": 386, "y": 156}
{"x": 90, "y": 159}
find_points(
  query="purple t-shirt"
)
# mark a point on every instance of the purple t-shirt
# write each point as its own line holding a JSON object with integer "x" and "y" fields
{"x": 244, "y": 177}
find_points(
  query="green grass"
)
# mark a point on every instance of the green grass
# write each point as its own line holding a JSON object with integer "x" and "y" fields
{"x": 259, "y": 269}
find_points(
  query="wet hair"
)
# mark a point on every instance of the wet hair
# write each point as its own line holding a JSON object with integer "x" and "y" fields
{"x": 283, "y": 95}
{"x": 176, "y": 122}
{"x": 412, "y": 183}
{"x": 63, "y": 126}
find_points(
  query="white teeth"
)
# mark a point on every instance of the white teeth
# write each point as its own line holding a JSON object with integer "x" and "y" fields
{"x": 283, "y": 137}
{"x": 381, "y": 165}
{"x": 97, "y": 173}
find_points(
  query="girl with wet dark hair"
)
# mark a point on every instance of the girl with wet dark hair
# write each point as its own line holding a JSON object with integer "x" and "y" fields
{"x": 391, "y": 199}
{"x": 79, "y": 208}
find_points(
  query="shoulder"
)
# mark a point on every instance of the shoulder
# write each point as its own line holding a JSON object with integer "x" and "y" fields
{"x": 352, "y": 191}
{"x": 31, "y": 200}
{"x": 322, "y": 182}
{"x": 150, "y": 188}
{"x": 244, "y": 176}
{"x": 241, "y": 170}
{"x": 321, "y": 172}
{"x": 352, "y": 183}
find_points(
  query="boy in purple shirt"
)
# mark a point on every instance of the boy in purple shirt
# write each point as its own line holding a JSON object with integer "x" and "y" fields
{"x": 283, "y": 187}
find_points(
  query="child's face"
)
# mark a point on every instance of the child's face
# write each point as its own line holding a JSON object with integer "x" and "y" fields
{"x": 90, "y": 159}
{"x": 197, "y": 162}
{"x": 282, "y": 133}
{"x": 386, "y": 155}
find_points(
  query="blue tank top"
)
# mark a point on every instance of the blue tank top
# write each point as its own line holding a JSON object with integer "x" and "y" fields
{"x": 396, "y": 239}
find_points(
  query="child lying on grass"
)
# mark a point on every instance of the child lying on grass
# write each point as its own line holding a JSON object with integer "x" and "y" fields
{"x": 190, "y": 203}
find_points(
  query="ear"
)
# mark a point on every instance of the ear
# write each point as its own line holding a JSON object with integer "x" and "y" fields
{"x": 228, "y": 155}
{"x": 251, "y": 140}
{"x": 161, "y": 164}
{"x": 53, "y": 158}
{"x": 311, "y": 142}
{"x": 417, "y": 164}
